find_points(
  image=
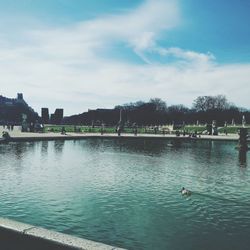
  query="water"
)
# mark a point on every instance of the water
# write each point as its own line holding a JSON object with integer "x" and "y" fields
{"x": 125, "y": 192}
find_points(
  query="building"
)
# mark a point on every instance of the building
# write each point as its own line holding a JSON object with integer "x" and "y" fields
{"x": 12, "y": 110}
{"x": 57, "y": 117}
{"x": 45, "y": 115}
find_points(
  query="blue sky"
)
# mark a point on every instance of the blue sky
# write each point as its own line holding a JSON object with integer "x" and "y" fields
{"x": 80, "y": 54}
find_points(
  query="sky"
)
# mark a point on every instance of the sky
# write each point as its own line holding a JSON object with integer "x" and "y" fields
{"x": 81, "y": 54}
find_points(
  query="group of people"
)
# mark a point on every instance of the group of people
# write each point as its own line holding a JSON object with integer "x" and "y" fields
{"x": 9, "y": 127}
{"x": 184, "y": 133}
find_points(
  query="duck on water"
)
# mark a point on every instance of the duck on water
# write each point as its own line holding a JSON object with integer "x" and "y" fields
{"x": 185, "y": 191}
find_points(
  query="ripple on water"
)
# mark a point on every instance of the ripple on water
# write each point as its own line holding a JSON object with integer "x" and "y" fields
{"x": 126, "y": 193}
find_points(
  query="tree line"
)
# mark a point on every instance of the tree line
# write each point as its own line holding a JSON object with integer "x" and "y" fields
{"x": 205, "y": 109}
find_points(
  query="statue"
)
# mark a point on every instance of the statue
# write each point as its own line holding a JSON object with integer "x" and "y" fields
{"x": 24, "y": 123}
{"x": 233, "y": 122}
{"x": 214, "y": 128}
{"x": 243, "y": 121}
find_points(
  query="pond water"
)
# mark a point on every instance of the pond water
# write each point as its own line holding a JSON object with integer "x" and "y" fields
{"x": 124, "y": 192}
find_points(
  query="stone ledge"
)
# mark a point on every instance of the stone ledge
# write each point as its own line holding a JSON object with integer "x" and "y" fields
{"x": 33, "y": 237}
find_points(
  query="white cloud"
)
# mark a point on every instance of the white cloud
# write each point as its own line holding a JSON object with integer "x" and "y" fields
{"x": 66, "y": 66}
{"x": 189, "y": 56}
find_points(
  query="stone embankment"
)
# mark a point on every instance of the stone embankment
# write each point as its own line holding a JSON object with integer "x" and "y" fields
{"x": 19, "y": 236}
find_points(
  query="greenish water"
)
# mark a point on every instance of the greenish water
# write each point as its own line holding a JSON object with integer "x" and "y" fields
{"x": 125, "y": 192}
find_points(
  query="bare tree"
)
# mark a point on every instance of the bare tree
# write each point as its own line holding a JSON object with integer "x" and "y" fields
{"x": 160, "y": 105}
{"x": 205, "y": 103}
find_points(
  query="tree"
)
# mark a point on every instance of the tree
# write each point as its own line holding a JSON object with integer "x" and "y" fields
{"x": 160, "y": 105}
{"x": 178, "y": 109}
{"x": 205, "y": 103}
{"x": 221, "y": 102}
{"x": 177, "y": 113}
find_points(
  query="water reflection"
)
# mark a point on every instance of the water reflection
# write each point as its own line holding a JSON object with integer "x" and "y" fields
{"x": 243, "y": 158}
{"x": 20, "y": 149}
{"x": 58, "y": 146}
{"x": 44, "y": 148}
{"x": 13, "y": 155}
{"x": 130, "y": 187}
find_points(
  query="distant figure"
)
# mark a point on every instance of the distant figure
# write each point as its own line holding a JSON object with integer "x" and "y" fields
{"x": 184, "y": 191}
{"x": 135, "y": 129}
{"x": 63, "y": 132}
{"x": 194, "y": 135}
{"x": 32, "y": 127}
{"x": 102, "y": 128}
{"x": 155, "y": 129}
{"x": 119, "y": 129}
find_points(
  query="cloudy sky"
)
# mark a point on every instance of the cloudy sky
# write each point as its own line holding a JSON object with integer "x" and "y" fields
{"x": 80, "y": 54}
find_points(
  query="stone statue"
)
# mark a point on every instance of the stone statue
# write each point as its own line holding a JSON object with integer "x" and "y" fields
{"x": 24, "y": 123}
{"x": 243, "y": 121}
{"x": 214, "y": 128}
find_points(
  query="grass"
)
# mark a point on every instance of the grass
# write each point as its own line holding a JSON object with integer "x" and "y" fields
{"x": 231, "y": 129}
{"x": 192, "y": 129}
{"x": 88, "y": 129}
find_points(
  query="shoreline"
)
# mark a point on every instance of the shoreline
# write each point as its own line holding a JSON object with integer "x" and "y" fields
{"x": 27, "y": 136}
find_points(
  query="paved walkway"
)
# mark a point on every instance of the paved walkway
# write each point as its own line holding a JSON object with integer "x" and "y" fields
{"x": 17, "y": 135}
